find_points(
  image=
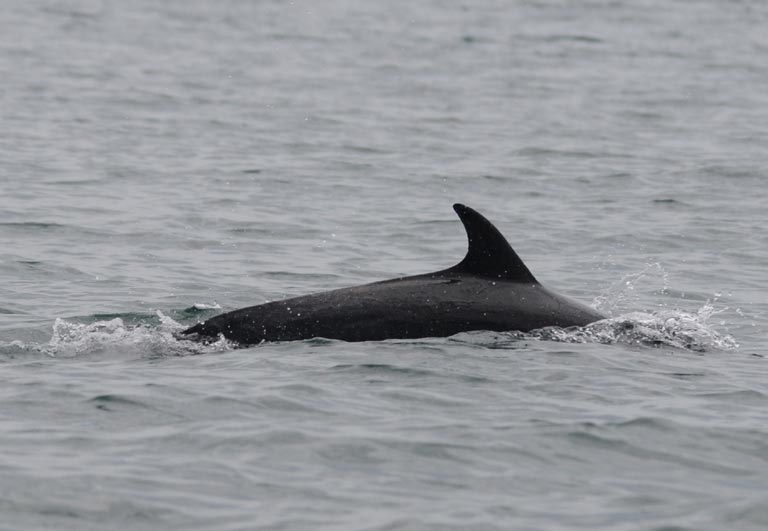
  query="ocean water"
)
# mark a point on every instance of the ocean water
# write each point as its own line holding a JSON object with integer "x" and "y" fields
{"x": 165, "y": 161}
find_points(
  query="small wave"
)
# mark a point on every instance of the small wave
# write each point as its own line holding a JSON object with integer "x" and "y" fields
{"x": 35, "y": 225}
{"x": 197, "y": 310}
{"x": 205, "y": 306}
{"x": 381, "y": 368}
{"x": 589, "y": 39}
{"x": 116, "y": 338}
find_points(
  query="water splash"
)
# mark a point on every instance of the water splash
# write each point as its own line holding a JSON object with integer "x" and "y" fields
{"x": 624, "y": 292}
{"x": 664, "y": 327}
{"x": 114, "y": 338}
{"x": 670, "y": 328}
{"x": 16, "y": 348}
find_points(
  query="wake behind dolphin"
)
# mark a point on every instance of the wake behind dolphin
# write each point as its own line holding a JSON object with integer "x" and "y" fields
{"x": 490, "y": 289}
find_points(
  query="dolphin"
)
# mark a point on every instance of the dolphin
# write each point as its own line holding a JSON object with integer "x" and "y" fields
{"x": 490, "y": 289}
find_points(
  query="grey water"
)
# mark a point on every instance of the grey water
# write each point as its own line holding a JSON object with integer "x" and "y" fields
{"x": 166, "y": 161}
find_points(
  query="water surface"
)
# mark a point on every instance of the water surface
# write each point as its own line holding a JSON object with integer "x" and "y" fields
{"x": 166, "y": 161}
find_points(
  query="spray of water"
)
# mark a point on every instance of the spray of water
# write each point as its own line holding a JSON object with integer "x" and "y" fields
{"x": 117, "y": 339}
{"x": 665, "y": 327}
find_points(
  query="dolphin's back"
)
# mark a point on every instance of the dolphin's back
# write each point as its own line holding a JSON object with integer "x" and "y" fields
{"x": 410, "y": 307}
{"x": 384, "y": 310}
{"x": 490, "y": 289}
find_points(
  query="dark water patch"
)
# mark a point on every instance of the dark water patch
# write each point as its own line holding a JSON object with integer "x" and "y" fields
{"x": 295, "y": 389}
{"x": 41, "y": 229}
{"x": 6, "y": 311}
{"x": 291, "y": 276}
{"x": 687, "y": 375}
{"x": 645, "y": 423}
{"x": 721, "y": 171}
{"x": 196, "y": 310}
{"x": 499, "y": 178}
{"x": 110, "y": 402}
{"x": 320, "y": 341}
{"x": 473, "y": 379}
{"x": 451, "y": 222}
{"x": 619, "y": 175}
{"x": 77, "y": 182}
{"x": 283, "y": 436}
{"x": 235, "y": 404}
{"x": 354, "y": 453}
{"x": 423, "y": 398}
{"x": 667, "y": 201}
{"x": 613, "y": 439}
{"x": 742, "y": 396}
{"x": 252, "y": 171}
{"x": 69, "y": 11}
{"x": 276, "y": 403}
{"x": 299, "y": 38}
{"x": 589, "y": 39}
{"x": 430, "y": 450}
{"x": 381, "y": 369}
{"x": 534, "y": 151}
{"x": 645, "y": 115}
{"x": 49, "y": 270}
{"x": 751, "y": 513}
{"x": 367, "y": 150}
{"x": 270, "y": 231}
{"x": 33, "y": 225}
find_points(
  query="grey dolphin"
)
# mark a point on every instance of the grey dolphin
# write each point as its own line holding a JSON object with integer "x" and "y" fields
{"x": 490, "y": 289}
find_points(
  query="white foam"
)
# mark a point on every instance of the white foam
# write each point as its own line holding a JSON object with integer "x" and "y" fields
{"x": 672, "y": 328}
{"x": 206, "y": 306}
{"x": 115, "y": 338}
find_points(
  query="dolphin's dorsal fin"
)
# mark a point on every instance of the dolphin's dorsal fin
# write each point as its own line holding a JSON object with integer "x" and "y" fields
{"x": 489, "y": 253}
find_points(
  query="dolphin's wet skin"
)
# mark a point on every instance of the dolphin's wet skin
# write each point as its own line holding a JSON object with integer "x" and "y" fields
{"x": 490, "y": 289}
